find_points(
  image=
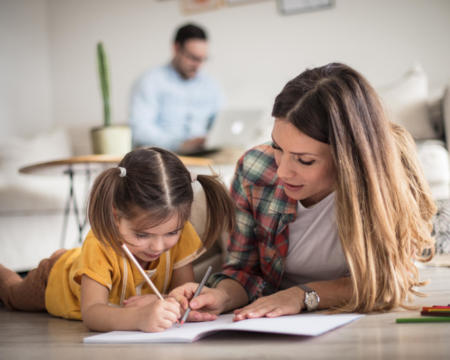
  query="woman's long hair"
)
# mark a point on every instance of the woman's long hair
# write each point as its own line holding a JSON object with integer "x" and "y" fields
{"x": 383, "y": 204}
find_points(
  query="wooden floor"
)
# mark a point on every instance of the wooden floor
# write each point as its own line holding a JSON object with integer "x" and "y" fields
{"x": 40, "y": 336}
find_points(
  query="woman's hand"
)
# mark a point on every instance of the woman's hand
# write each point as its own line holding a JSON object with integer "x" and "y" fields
{"x": 159, "y": 315}
{"x": 285, "y": 302}
{"x": 140, "y": 300}
{"x": 205, "y": 307}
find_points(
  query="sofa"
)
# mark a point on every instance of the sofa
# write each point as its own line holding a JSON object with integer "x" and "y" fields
{"x": 32, "y": 206}
{"x": 426, "y": 115}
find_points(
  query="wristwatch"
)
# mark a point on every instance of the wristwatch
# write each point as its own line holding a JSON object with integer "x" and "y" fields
{"x": 312, "y": 299}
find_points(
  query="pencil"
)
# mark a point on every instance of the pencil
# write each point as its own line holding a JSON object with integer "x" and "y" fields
{"x": 422, "y": 320}
{"x": 133, "y": 259}
{"x": 197, "y": 292}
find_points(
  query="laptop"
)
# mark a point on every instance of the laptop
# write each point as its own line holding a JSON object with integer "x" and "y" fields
{"x": 233, "y": 128}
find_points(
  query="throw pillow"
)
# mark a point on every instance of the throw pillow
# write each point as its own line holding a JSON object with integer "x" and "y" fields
{"x": 434, "y": 158}
{"x": 406, "y": 103}
{"x": 17, "y": 152}
{"x": 446, "y": 115}
{"x": 441, "y": 227}
{"x": 29, "y": 192}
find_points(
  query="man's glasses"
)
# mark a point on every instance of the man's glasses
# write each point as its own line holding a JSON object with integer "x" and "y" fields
{"x": 192, "y": 57}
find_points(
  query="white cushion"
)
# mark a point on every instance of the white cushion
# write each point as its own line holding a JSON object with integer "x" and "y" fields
{"x": 434, "y": 159}
{"x": 16, "y": 152}
{"x": 26, "y": 192}
{"x": 406, "y": 103}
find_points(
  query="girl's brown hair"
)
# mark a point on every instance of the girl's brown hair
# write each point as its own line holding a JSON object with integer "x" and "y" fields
{"x": 383, "y": 204}
{"x": 156, "y": 185}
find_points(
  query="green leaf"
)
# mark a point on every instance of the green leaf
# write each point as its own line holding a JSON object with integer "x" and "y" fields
{"x": 104, "y": 83}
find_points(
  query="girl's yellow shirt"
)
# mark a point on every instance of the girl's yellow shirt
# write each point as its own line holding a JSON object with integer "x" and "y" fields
{"x": 114, "y": 271}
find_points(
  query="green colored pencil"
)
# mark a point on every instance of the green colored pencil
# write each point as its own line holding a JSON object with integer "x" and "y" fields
{"x": 422, "y": 320}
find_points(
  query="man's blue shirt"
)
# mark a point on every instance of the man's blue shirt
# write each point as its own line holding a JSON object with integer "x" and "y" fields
{"x": 167, "y": 109}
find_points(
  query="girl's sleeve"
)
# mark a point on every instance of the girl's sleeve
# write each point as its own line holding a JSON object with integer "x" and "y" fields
{"x": 95, "y": 261}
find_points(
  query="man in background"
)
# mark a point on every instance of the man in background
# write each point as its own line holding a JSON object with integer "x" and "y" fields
{"x": 173, "y": 106}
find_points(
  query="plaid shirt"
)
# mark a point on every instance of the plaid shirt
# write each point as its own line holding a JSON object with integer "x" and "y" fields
{"x": 259, "y": 244}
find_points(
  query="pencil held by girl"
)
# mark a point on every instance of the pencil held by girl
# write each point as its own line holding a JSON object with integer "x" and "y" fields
{"x": 144, "y": 203}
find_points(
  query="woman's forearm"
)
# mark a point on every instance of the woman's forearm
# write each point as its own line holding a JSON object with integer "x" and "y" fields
{"x": 333, "y": 292}
{"x": 234, "y": 295}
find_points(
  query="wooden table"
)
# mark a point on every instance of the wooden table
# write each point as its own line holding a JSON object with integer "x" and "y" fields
{"x": 377, "y": 336}
{"x": 86, "y": 165}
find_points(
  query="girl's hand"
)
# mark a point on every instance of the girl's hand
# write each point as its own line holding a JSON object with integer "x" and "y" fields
{"x": 140, "y": 300}
{"x": 205, "y": 306}
{"x": 159, "y": 315}
{"x": 285, "y": 302}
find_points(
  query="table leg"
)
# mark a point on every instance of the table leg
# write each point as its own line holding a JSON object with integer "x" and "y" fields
{"x": 69, "y": 172}
{"x": 72, "y": 203}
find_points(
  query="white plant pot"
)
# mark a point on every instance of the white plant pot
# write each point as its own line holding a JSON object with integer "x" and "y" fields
{"x": 111, "y": 140}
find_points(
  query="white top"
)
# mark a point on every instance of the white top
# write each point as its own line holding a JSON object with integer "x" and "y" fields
{"x": 315, "y": 252}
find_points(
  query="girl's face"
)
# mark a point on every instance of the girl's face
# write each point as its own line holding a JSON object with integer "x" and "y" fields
{"x": 148, "y": 244}
{"x": 305, "y": 165}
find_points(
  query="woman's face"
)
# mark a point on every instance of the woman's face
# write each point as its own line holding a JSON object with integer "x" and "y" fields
{"x": 150, "y": 243}
{"x": 305, "y": 165}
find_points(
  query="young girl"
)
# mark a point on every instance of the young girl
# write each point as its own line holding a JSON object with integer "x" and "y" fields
{"x": 144, "y": 203}
{"x": 333, "y": 214}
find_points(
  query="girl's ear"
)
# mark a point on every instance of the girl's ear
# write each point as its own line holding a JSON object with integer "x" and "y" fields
{"x": 115, "y": 214}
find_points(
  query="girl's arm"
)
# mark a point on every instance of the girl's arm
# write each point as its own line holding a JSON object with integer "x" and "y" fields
{"x": 182, "y": 275}
{"x": 332, "y": 293}
{"x": 98, "y": 315}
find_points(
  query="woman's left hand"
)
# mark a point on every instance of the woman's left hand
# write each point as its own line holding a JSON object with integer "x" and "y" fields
{"x": 284, "y": 302}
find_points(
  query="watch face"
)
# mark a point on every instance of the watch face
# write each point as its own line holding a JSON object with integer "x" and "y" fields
{"x": 311, "y": 300}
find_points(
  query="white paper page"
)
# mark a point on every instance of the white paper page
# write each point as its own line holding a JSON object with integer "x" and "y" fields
{"x": 302, "y": 324}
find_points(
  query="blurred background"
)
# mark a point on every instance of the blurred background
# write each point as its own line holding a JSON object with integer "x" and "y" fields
{"x": 50, "y": 95}
{"x": 48, "y": 74}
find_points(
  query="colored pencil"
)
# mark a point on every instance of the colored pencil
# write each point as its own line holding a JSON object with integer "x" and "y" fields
{"x": 422, "y": 320}
{"x": 436, "y": 307}
{"x": 197, "y": 292}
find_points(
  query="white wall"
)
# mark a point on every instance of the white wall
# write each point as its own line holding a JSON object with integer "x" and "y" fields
{"x": 254, "y": 49}
{"x": 25, "y": 86}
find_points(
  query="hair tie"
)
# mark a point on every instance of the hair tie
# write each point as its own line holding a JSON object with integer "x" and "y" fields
{"x": 193, "y": 176}
{"x": 123, "y": 171}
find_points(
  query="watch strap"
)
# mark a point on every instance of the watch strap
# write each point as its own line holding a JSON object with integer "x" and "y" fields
{"x": 305, "y": 288}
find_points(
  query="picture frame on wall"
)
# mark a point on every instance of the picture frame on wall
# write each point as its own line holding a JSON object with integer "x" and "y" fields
{"x": 241, "y": 2}
{"x": 288, "y": 7}
{"x": 195, "y": 6}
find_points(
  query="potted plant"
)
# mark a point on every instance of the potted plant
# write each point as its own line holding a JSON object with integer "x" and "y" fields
{"x": 108, "y": 139}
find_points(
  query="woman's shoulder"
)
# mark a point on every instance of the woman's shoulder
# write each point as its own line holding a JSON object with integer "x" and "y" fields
{"x": 257, "y": 165}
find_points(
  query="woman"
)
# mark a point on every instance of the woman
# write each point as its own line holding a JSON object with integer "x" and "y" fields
{"x": 332, "y": 215}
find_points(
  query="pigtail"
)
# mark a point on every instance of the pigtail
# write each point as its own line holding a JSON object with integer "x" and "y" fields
{"x": 220, "y": 214}
{"x": 100, "y": 208}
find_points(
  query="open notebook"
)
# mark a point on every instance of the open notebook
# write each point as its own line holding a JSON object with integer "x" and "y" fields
{"x": 303, "y": 324}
